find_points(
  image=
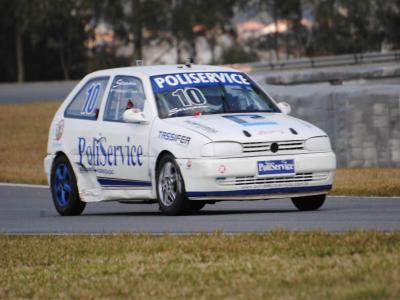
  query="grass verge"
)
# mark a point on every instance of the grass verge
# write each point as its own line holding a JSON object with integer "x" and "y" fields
{"x": 367, "y": 182}
{"x": 277, "y": 265}
{"x": 23, "y": 142}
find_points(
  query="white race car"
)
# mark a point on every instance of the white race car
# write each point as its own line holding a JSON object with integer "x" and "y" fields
{"x": 185, "y": 136}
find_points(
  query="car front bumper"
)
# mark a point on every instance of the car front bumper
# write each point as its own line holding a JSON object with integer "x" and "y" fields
{"x": 238, "y": 179}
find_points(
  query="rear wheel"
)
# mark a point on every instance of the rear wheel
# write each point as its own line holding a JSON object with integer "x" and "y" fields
{"x": 170, "y": 187}
{"x": 309, "y": 202}
{"x": 64, "y": 189}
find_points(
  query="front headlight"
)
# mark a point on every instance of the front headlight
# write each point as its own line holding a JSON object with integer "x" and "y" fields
{"x": 221, "y": 149}
{"x": 321, "y": 143}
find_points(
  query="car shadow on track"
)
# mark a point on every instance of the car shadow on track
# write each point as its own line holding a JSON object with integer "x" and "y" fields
{"x": 197, "y": 214}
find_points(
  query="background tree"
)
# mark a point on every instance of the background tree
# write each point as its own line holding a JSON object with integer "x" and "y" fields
{"x": 64, "y": 24}
{"x": 17, "y": 17}
{"x": 55, "y": 39}
{"x": 388, "y": 14}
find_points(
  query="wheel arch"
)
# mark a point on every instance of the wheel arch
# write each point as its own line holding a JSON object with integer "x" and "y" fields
{"x": 156, "y": 166}
{"x": 73, "y": 166}
{"x": 159, "y": 157}
{"x": 58, "y": 154}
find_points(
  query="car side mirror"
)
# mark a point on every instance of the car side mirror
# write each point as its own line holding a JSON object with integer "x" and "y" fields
{"x": 134, "y": 115}
{"x": 284, "y": 107}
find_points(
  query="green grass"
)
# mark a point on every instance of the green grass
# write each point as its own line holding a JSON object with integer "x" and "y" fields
{"x": 277, "y": 265}
{"x": 367, "y": 182}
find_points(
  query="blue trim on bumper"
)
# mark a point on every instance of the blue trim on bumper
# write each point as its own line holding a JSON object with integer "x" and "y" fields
{"x": 116, "y": 182}
{"x": 288, "y": 190}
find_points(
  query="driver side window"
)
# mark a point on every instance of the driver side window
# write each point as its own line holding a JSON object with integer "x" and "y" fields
{"x": 126, "y": 92}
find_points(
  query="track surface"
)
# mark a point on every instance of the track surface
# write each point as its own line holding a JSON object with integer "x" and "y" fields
{"x": 30, "y": 210}
{"x": 35, "y": 91}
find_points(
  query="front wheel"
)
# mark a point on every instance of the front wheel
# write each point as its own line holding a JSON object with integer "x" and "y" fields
{"x": 309, "y": 202}
{"x": 195, "y": 206}
{"x": 64, "y": 188}
{"x": 170, "y": 187}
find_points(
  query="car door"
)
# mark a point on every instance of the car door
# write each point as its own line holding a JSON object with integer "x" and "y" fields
{"x": 124, "y": 146}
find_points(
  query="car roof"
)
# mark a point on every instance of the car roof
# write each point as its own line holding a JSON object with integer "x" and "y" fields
{"x": 162, "y": 69}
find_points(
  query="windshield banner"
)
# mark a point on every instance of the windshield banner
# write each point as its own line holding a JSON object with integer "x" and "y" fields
{"x": 165, "y": 82}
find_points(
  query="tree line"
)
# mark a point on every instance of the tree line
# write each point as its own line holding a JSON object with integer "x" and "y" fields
{"x": 49, "y": 39}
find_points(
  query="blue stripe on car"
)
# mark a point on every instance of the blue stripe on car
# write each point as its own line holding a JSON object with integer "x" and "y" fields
{"x": 122, "y": 182}
{"x": 260, "y": 191}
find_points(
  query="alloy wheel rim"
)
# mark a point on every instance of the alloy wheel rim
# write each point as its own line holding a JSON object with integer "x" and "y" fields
{"x": 168, "y": 184}
{"x": 62, "y": 184}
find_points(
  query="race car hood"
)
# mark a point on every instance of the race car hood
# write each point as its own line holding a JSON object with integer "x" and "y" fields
{"x": 252, "y": 127}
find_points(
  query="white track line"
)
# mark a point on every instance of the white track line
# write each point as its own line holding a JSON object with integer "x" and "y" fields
{"x": 23, "y": 185}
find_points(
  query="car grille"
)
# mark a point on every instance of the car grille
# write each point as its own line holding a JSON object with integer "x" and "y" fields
{"x": 272, "y": 181}
{"x": 266, "y": 146}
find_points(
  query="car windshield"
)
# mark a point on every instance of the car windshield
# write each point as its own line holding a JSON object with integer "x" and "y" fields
{"x": 188, "y": 94}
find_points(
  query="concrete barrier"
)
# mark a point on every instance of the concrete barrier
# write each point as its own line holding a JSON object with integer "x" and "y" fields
{"x": 363, "y": 122}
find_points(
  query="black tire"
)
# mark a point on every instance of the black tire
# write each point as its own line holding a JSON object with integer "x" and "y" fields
{"x": 309, "y": 202}
{"x": 195, "y": 206}
{"x": 170, "y": 187}
{"x": 64, "y": 189}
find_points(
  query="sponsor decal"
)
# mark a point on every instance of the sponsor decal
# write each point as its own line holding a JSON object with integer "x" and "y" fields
{"x": 165, "y": 82}
{"x": 104, "y": 171}
{"x": 249, "y": 120}
{"x": 189, "y": 164}
{"x": 84, "y": 169}
{"x": 173, "y": 137}
{"x": 201, "y": 126}
{"x": 59, "y": 130}
{"x": 274, "y": 167}
{"x": 123, "y": 83}
{"x": 57, "y": 144}
{"x": 98, "y": 153}
{"x": 222, "y": 169}
{"x": 91, "y": 98}
{"x": 177, "y": 110}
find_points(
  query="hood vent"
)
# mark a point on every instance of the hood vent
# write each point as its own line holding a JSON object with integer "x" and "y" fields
{"x": 246, "y": 133}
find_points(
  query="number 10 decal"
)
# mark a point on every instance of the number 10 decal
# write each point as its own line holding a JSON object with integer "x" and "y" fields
{"x": 190, "y": 96}
{"x": 91, "y": 99}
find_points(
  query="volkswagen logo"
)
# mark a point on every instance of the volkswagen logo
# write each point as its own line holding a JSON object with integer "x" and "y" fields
{"x": 274, "y": 147}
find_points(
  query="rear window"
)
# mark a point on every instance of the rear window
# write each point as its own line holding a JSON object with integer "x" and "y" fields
{"x": 86, "y": 103}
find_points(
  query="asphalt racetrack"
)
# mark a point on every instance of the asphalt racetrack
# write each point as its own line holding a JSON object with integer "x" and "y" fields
{"x": 35, "y": 91}
{"x": 25, "y": 209}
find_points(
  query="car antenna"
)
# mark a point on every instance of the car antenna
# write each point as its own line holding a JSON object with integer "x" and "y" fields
{"x": 189, "y": 62}
{"x": 139, "y": 62}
